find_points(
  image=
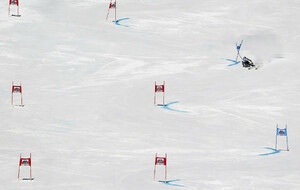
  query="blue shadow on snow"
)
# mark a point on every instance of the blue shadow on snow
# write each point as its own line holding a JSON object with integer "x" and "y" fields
{"x": 169, "y": 182}
{"x": 234, "y": 62}
{"x": 231, "y": 60}
{"x": 168, "y": 108}
{"x": 117, "y": 22}
{"x": 274, "y": 152}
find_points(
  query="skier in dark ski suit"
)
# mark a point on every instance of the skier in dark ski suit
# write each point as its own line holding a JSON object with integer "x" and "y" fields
{"x": 247, "y": 62}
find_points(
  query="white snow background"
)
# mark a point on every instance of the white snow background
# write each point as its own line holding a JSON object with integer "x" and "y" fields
{"x": 88, "y": 85}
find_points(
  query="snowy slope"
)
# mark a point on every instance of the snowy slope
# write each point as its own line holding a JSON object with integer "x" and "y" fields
{"x": 88, "y": 85}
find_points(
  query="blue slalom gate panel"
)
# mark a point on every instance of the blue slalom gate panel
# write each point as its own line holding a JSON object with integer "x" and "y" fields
{"x": 281, "y": 132}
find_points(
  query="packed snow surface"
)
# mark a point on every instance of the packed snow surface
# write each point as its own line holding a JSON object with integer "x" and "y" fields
{"x": 88, "y": 85}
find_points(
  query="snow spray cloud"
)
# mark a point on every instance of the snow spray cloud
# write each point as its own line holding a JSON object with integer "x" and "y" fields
{"x": 262, "y": 47}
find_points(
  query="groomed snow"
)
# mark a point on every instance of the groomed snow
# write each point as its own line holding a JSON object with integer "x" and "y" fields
{"x": 88, "y": 87}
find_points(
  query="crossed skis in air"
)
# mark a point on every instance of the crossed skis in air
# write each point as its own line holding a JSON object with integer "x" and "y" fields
{"x": 238, "y": 48}
{"x": 247, "y": 63}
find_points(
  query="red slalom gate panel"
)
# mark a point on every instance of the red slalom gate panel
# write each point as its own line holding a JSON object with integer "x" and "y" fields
{"x": 15, "y": 3}
{"x": 24, "y": 162}
{"x": 112, "y": 5}
{"x": 16, "y": 89}
{"x": 159, "y": 88}
{"x": 160, "y": 161}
